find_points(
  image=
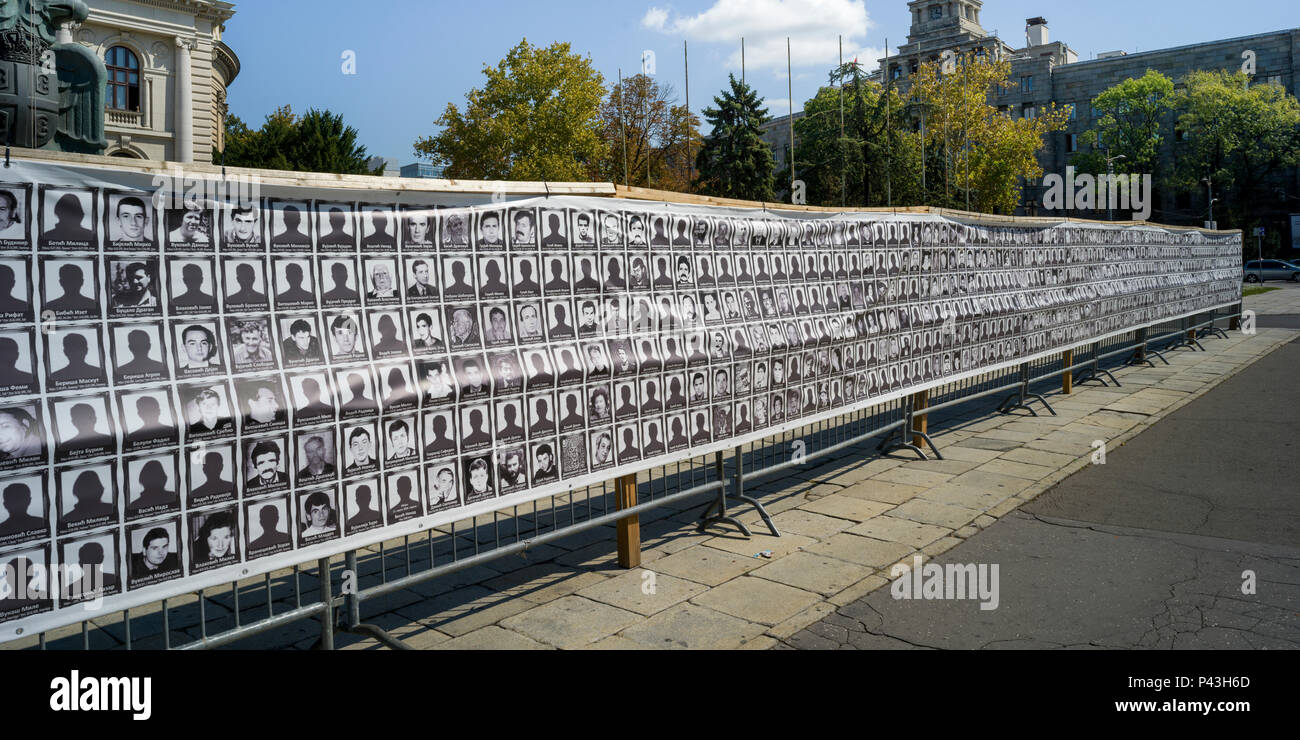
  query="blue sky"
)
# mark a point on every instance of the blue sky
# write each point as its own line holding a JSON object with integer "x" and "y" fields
{"x": 415, "y": 56}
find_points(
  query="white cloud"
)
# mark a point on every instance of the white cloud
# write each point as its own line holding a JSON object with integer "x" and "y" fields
{"x": 655, "y": 19}
{"x": 813, "y": 26}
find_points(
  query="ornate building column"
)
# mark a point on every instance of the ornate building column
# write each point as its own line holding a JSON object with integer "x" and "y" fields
{"x": 184, "y": 101}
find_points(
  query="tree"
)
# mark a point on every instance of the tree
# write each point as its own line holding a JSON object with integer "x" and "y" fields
{"x": 734, "y": 161}
{"x": 316, "y": 142}
{"x": 535, "y": 118}
{"x": 871, "y": 160}
{"x": 1237, "y": 134}
{"x": 645, "y": 113}
{"x": 985, "y": 153}
{"x": 1132, "y": 115}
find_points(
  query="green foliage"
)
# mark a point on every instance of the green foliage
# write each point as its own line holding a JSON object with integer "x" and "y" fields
{"x": 535, "y": 118}
{"x": 1238, "y": 135}
{"x": 1132, "y": 116}
{"x": 734, "y": 161}
{"x": 644, "y": 113}
{"x": 872, "y": 160}
{"x": 985, "y": 154}
{"x": 316, "y": 142}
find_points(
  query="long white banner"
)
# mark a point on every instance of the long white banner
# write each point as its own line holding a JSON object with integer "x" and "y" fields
{"x": 208, "y": 380}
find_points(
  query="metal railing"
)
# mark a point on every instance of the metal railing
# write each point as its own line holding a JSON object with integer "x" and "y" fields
{"x": 279, "y": 608}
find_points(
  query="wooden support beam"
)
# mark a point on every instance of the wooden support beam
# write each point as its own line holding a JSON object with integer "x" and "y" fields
{"x": 920, "y": 401}
{"x": 629, "y": 528}
{"x": 1067, "y": 378}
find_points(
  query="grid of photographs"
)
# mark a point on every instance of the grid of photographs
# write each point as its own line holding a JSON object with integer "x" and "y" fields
{"x": 194, "y": 387}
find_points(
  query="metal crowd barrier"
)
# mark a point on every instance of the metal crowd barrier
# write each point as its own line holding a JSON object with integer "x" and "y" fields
{"x": 334, "y": 591}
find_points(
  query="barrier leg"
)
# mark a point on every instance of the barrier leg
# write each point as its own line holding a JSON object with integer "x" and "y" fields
{"x": 1022, "y": 396}
{"x": 720, "y": 502}
{"x": 352, "y": 610}
{"x": 629, "y": 528}
{"x": 326, "y": 619}
{"x": 740, "y": 493}
{"x": 905, "y": 434}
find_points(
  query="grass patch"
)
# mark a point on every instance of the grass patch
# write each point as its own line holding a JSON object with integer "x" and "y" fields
{"x": 1256, "y": 290}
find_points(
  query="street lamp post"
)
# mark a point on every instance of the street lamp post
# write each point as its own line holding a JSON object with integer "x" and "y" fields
{"x": 1110, "y": 182}
{"x": 1209, "y": 197}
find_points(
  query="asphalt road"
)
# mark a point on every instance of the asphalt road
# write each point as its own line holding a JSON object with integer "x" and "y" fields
{"x": 1150, "y": 550}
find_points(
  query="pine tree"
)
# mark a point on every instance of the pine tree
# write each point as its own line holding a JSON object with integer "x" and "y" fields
{"x": 734, "y": 161}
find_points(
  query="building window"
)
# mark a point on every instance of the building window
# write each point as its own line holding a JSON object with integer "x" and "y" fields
{"x": 1030, "y": 112}
{"x": 123, "y": 79}
{"x": 1071, "y": 142}
{"x": 1027, "y": 83}
{"x": 1273, "y": 80}
{"x": 936, "y": 12}
{"x": 1074, "y": 114}
{"x": 895, "y": 72}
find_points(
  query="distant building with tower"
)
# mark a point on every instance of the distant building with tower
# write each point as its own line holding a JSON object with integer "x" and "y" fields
{"x": 1045, "y": 72}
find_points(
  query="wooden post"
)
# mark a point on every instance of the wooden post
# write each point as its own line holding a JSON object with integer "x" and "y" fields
{"x": 1067, "y": 378}
{"x": 629, "y": 528}
{"x": 1235, "y": 322}
{"x": 920, "y": 400}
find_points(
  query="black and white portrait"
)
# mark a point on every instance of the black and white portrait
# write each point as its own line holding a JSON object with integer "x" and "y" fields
{"x": 139, "y": 355}
{"x": 15, "y": 216}
{"x": 339, "y": 285}
{"x": 214, "y": 538}
{"x": 387, "y": 335}
{"x": 192, "y": 286}
{"x": 74, "y": 358}
{"x": 68, "y": 219}
{"x": 88, "y": 496}
{"x": 252, "y": 347}
{"x": 417, "y": 228}
{"x": 300, "y": 340}
{"x": 363, "y": 502}
{"x": 133, "y": 287}
{"x": 70, "y": 287}
{"x": 17, "y": 301}
{"x": 130, "y": 221}
{"x": 190, "y": 226}
{"x": 294, "y": 287}
{"x": 479, "y": 477}
{"x": 356, "y": 392}
{"x": 154, "y": 551}
{"x": 316, "y": 455}
{"x": 152, "y": 485}
{"x": 381, "y": 281}
{"x": 18, "y": 363}
{"x": 265, "y": 462}
{"x": 148, "y": 419}
{"x": 262, "y": 406}
{"x": 24, "y": 508}
{"x": 245, "y": 284}
{"x": 207, "y": 411}
{"x": 421, "y": 279}
{"x": 523, "y": 229}
{"x": 335, "y": 227}
{"x": 268, "y": 526}
{"x": 318, "y": 515}
{"x": 242, "y": 228}
{"x": 489, "y": 232}
{"x": 347, "y": 343}
{"x": 290, "y": 226}
{"x": 443, "y": 485}
{"x": 211, "y": 473}
{"x": 379, "y": 229}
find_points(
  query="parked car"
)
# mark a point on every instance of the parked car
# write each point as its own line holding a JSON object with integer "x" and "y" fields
{"x": 1271, "y": 270}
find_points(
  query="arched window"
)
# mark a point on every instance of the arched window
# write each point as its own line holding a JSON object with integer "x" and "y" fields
{"x": 123, "y": 91}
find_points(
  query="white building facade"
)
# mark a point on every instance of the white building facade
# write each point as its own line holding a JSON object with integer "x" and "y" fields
{"x": 168, "y": 72}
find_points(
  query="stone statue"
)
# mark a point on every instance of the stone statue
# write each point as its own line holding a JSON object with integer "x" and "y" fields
{"x": 51, "y": 92}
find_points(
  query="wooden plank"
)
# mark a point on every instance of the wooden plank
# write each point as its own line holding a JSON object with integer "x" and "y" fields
{"x": 1067, "y": 379}
{"x": 920, "y": 420}
{"x": 629, "y": 528}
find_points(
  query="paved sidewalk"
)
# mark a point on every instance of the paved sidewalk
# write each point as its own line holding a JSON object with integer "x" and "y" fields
{"x": 845, "y": 523}
{"x": 1187, "y": 538}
